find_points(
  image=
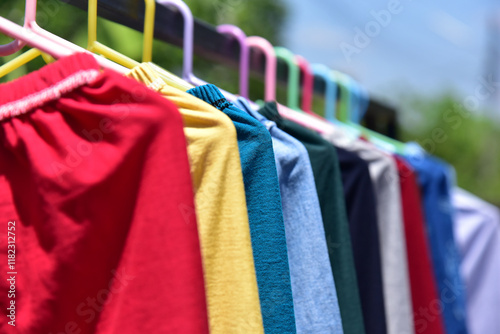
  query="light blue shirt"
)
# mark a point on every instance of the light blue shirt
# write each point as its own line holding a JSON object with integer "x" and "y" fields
{"x": 313, "y": 287}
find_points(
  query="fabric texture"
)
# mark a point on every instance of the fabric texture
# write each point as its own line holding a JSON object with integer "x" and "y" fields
{"x": 264, "y": 213}
{"x": 102, "y": 245}
{"x": 476, "y": 228}
{"x": 424, "y": 294}
{"x": 434, "y": 178}
{"x": 395, "y": 279}
{"x": 313, "y": 288}
{"x": 326, "y": 171}
{"x": 231, "y": 284}
{"x": 363, "y": 226}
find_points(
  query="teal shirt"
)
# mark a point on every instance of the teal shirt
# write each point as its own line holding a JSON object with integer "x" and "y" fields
{"x": 265, "y": 215}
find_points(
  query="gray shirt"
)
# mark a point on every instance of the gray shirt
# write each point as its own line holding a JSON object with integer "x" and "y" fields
{"x": 395, "y": 276}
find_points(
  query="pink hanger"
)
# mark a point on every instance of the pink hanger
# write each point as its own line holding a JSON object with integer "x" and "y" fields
{"x": 270, "y": 75}
{"x": 26, "y": 36}
{"x": 270, "y": 88}
{"x": 244, "y": 54}
{"x": 16, "y": 45}
{"x": 47, "y": 42}
{"x": 307, "y": 85}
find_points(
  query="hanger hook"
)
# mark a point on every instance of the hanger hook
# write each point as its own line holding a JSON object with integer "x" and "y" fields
{"x": 349, "y": 106}
{"x": 187, "y": 66}
{"x": 95, "y": 46}
{"x": 270, "y": 75}
{"x": 328, "y": 77}
{"x": 240, "y": 36}
{"x": 307, "y": 85}
{"x": 149, "y": 28}
{"x": 16, "y": 45}
{"x": 359, "y": 99}
{"x": 293, "y": 76}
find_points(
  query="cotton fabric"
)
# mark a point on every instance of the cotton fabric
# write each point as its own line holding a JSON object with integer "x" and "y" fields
{"x": 363, "y": 226}
{"x": 476, "y": 227}
{"x": 434, "y": 178}
{"x": 102, "y": 245}
{"x": 425, "y": 298}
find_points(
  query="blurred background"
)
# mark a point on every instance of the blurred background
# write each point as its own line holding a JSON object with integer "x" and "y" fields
{"x": 437, "y": 63}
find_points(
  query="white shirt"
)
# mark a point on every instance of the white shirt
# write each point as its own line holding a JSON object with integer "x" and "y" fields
{"x": 477, "y": 234}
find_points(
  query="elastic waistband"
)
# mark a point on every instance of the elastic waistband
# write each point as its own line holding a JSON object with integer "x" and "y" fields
{"x": 47, "y": 84}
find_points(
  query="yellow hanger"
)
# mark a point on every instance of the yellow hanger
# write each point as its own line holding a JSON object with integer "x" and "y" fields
{"x": 170, "y": 79}
{"x": 22, "y": 60}
{"x": 147, "y": 50}
{"x": 19, "y": 61}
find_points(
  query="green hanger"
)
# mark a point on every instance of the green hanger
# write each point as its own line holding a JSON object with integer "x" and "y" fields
{"x": 293, "y": 76}
{"x": 346, "y": 115}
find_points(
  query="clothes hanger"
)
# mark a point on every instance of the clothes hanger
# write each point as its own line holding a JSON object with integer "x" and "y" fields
{"x": 325, "y": 74}
{"x": 47, "y": 42}
{"x": 14, "y": 30}
{"x": 36, "y": 29}
{"x": 295, "y": 115}
{"x": 307, "y": 84}
{"x": 19, "y": 61}
{"x": 240, "y": 36}
{"x": 270, "y": 72}
{"x": 188, "y": 42}
{"x": 328, "y": 76}
{"x": 293, "y": 76}
{"x": 348, "y": 87}
{"x": 147, "y": 51}
{"x": 94, "y": 46}
{"x": 16, "y": 45}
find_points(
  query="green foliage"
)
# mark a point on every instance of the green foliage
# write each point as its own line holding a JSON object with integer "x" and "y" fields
{"x": 467, "y": 139}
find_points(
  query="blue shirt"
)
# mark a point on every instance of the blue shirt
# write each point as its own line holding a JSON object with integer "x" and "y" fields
{"x": 434, "y": 178}
{"x": 265, "y": 215}
{"x": 313, "y": 287}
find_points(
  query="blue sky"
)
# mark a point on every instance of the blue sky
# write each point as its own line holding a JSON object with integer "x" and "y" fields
{"x": 426, "y": 47}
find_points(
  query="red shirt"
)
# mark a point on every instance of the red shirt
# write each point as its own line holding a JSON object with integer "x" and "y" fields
{"x": 425, "y": 300}
{"x": 95, "y": 173}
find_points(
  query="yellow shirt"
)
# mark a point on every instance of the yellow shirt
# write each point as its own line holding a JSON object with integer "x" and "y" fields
{"x": 230, "y": 281}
